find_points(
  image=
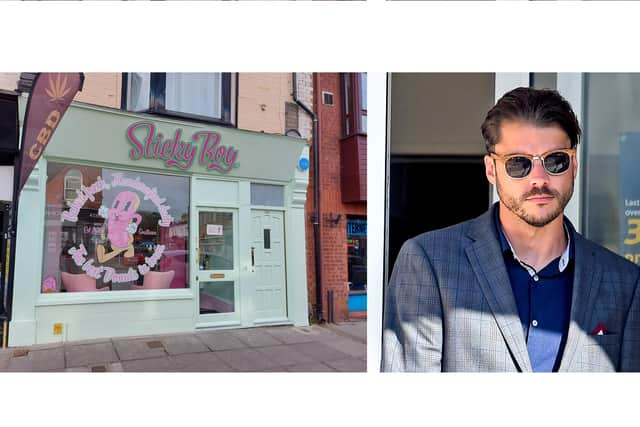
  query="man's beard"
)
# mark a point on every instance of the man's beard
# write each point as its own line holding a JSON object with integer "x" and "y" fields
{"x": 516, "y": 205}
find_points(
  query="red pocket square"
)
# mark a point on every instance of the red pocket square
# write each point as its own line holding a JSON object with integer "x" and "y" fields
{"x": 599, "y": 330}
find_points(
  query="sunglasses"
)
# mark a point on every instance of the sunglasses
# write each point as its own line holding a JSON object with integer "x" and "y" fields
{"x": 518, "y": 166}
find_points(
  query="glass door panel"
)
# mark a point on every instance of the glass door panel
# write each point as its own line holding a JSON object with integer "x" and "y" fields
{"x": 217, "y": 297}
{"x": 217, "y": 265}
{"x": 215, "y": 240}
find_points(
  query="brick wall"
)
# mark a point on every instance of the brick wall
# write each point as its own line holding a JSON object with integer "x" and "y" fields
{"x": 333, "y": 233}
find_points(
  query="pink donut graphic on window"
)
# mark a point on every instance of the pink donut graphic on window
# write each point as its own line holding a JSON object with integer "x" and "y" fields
{"x": 122, "y": 224}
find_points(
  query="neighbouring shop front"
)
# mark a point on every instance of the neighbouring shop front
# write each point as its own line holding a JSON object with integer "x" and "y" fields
{"x": 135, "y": 225}
{"x": 357, "y": 263}
{"x": 8, "y": 155}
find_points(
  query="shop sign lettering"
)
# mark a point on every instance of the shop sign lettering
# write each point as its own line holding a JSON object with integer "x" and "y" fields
{"x": 205, "y": 146}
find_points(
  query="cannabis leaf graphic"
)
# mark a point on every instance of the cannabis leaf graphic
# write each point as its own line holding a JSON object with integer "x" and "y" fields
{"x": 57, "y": 89}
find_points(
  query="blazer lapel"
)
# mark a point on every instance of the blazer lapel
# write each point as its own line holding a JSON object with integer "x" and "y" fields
{"x": 586, "y": 283}
{"x": 487, "y": 263}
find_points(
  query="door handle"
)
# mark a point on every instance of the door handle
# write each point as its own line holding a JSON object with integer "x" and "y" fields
{"x": 253, "y": 259}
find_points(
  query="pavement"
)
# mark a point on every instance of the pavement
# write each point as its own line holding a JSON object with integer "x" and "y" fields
{"x": 335, "y": 347}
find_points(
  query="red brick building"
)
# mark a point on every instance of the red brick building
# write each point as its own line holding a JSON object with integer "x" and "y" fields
{"x": 340, "y": 106}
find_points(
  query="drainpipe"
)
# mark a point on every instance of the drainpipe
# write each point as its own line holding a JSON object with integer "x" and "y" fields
{"x": 316, "y": 198}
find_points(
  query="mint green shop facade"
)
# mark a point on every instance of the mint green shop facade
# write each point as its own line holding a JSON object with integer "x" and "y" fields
{"x": 239, "y": 216}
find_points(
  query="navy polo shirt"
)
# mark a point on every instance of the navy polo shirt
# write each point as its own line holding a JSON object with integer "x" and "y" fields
{"x": 544, "y": 302}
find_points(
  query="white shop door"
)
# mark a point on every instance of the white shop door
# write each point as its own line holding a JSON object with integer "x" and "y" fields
{"x": 268, "y": 260}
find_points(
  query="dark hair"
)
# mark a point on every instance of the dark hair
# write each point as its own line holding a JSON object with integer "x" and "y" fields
{"x": 540, "y": 107}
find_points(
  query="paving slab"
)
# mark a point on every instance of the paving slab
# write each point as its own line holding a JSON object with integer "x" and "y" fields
{"x": 115, "y": 367}
{"x": 351, "y": 364}
{"x": 106, "y": 367}
{"x": 320, "y": 351}
{"x": 159, "y": 364}
{"x": 5, "y": 356}
{"x": 38, "y": 361}
{"x": 354, "y": 330}
{"x": 348, "y": 346}
{"x": 48, "y": 346}
{"x": 284, "y": 355}
{"x": 246, "y": 360}
{"x": 314, "y": 348}
{"x": 88, "y": 341}
{"x": 78, "y": 369}
{"x": 311, "y": 367}
{"x": 184, "y": 343}
{"x": 200, "y": 362}
{"x": 132, "y": 349}
{"x": 220, "y": 340}
{"x": 275, "y": 369}
{"x": 109, "y": 367}
{"x": 255, "y": 337}
{"x": 90, "y": 354}
{"x": 289, "y": 335}
{"x": 319, "y": 331}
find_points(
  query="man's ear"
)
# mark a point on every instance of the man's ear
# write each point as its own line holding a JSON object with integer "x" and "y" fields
{"x": 490, "y": 169}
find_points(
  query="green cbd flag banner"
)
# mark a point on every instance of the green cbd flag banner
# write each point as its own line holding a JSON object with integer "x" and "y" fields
{"x": 630, "y": 196}
{"x": 50, "y": 97}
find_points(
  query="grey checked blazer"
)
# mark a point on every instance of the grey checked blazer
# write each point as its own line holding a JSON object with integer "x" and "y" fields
{"x": 449, "y": 307}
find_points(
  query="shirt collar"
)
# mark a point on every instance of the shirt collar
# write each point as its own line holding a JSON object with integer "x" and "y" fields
{"x": 505, "y": 245}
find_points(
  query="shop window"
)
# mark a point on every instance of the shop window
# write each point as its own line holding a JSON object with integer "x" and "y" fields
{"x": 267, "y": 195}
{"x": 199, "y": 96}
{"x": 354, "y": 106}
{"x": 122, "y": 231}
{"x": 72, "y": 184}
{"x": 611, "y": 202}
{"x": 357, "y": 262}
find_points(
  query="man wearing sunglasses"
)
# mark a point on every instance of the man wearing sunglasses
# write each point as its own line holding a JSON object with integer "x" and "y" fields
{"x": 516, "y": 289}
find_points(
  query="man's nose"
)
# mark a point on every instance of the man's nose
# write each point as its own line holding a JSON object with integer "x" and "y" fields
{"x": 539, "y": 175}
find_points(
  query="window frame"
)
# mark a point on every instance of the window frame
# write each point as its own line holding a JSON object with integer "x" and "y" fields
{"x": 352, "y": 104}
{"x": 116, "y": 294}
{"x": 157, "y": 91}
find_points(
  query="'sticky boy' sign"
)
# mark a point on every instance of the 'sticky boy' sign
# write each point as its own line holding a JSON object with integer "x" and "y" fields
{"x": 204, "y": 145}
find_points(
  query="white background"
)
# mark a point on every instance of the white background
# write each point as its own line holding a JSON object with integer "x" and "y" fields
{"x": 376, "y": 37}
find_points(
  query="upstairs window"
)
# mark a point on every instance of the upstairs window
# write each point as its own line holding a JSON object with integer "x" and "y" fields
{"x": 354, "y": 107}
{"x": 199, "y": 96}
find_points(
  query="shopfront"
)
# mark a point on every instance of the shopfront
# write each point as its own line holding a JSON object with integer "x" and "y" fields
{"x": 136, "y": 225}
{"x": 357, "y": 263}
